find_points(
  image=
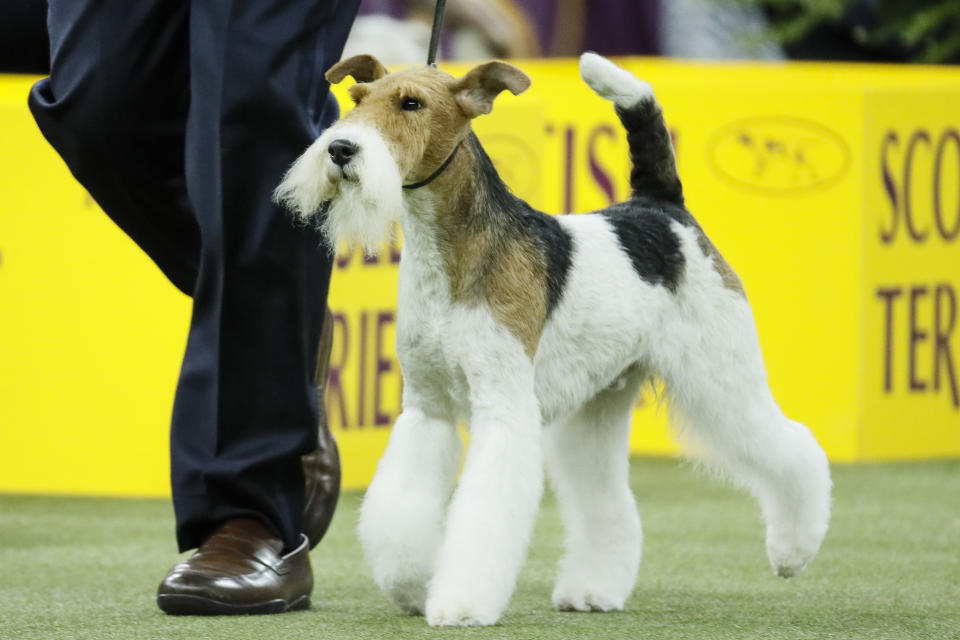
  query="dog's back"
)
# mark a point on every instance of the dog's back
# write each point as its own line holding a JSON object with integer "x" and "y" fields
{"x": 657, "y": 193}
{"x": 629, "y": 263}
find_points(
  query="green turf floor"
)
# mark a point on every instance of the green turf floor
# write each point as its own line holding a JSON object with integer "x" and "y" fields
{"x": 890, "y": 568}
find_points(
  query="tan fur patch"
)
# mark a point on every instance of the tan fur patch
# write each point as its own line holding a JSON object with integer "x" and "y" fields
{"x": 517, "y": 293}
{"x": 730, "y": 278}
{"x": 419, "y": 140}
{"x": 488, "y": 264}
{"x": 485, "y": 263}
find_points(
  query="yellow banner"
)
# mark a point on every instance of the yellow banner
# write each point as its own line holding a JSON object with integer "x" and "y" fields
{"x": 910, "y": 383}
{"x": 831, "y": 189}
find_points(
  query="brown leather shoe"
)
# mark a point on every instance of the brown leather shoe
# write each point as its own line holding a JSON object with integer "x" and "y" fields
{"x": 239, "y": 569}
{"x": 321, "y": 468}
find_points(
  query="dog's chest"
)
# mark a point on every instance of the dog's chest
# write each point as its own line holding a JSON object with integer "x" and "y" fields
{"x": 429, "y": 336}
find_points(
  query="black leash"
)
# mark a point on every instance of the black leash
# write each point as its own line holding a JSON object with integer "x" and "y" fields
{"x": 435, "y": 34}
{"x": 432, "y": 176}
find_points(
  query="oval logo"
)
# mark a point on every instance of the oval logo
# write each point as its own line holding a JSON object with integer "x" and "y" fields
{"x": 779, "y": 155}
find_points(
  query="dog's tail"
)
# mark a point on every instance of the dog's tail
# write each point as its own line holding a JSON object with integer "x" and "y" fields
{"x": 654, "y": 170}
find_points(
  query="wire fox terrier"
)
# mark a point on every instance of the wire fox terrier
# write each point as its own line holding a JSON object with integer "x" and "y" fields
{"x": 538, "y": 331}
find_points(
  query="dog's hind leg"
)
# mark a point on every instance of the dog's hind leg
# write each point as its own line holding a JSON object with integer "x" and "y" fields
{"x": 727, "y": 417}
{"x": 401, "y": 519}
{"x": 587, "y": 459}
{"x": 778, "y": 461}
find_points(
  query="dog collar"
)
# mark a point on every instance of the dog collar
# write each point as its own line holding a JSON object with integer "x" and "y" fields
{"x": 432, "y": 176}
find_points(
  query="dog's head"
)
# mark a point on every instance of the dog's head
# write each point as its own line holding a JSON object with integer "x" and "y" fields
{"x": 404, "y": 126}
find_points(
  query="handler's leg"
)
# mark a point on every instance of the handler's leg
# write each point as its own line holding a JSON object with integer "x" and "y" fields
{"x": 114, "y": 107}
{"x": 245, "y": 409}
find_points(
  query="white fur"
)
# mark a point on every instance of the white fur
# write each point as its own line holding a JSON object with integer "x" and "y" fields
{"x": 610, "y": 332}
{"x": 568, "y": 410}
{"x": 365, "y": 195}
{"x": 408, "y": 498}
{"x": 458, "y": 362}
{"x": 588, "y": 463}
{"x": 702, "y": 343}
{"x": 612, "y": 82}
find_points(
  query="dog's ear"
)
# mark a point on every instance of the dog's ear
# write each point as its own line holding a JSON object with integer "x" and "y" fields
{"x": 363, "y": 68}
{"x": 475, "y": 91}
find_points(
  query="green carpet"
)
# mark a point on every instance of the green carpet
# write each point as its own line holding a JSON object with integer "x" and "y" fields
{"x": 890, "y": 568}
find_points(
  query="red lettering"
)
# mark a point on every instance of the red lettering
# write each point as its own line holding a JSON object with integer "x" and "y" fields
{"x": 945, "y": 307}
{"x": 569, "y": 139}
{"x": 395, "y": 245}
{"x": 342, "y": 260}
{"x": 945, "y": 223}
{"x": 601, "y": 177}
{"x": 384, "y": 365}
{"x": 947, "y": 234}
{"x": 888, "y": 295}
{"x": 920, "y": 135}
{"x": 890, "y": 186}
{"x": 362, "y": 371}
{"x": 916, "y": 337}
{"x": 939, "y": 337}
{"x": 334, "y": 381}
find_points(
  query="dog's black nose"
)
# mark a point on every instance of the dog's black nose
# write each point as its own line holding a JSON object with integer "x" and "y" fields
{"x": 341, "y": 151}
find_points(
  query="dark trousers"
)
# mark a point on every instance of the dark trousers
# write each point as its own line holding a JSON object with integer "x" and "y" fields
{"x": 180, "y": 117}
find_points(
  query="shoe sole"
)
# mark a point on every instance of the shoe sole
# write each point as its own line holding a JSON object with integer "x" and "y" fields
{"x": 185, "y": 605}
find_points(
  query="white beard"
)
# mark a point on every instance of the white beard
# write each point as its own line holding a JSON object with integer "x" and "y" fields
{"x": 365, "y": 197}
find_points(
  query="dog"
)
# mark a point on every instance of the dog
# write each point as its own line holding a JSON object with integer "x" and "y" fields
{"x": 538, "y": 331}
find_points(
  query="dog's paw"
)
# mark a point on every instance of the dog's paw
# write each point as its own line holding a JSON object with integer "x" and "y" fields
{"x": 788, "y": 558}
{"x": 789, "y": 562}
{"x": 409, "y": 597}
{"x": 443, "y": 612}
{"x": 569, "y": 598}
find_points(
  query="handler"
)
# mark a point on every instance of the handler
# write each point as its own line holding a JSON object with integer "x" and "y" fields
{"x": 180, "y": 118}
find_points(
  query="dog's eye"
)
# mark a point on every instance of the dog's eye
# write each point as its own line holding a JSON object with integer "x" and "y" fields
{"x": 410, "y": 104}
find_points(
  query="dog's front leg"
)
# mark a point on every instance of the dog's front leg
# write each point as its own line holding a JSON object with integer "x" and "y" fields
{"x": 492, "y": 513}
{"x": 401, "y": 520}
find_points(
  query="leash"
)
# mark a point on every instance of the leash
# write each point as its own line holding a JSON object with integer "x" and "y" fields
{"x": 435, "y": 33}
{"x": 432, "y": 176}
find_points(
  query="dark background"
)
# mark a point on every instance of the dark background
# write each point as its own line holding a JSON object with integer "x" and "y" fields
{"x": 23, "y": 36}
{"x": 24, "y": 46}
